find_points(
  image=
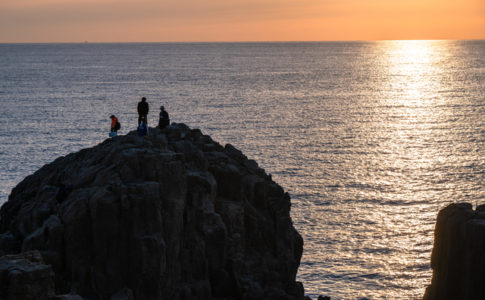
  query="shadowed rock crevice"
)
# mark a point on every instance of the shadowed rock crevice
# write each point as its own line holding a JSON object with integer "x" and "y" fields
{"x": 173, "y": 215}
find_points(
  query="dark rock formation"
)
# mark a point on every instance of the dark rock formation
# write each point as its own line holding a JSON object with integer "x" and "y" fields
{"x": 25, "y": 276}
{"x": 458, "y": 257}
{"x": 173, "y": 215}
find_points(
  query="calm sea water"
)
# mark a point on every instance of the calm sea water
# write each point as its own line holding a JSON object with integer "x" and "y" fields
{"x": 369, "y": 138}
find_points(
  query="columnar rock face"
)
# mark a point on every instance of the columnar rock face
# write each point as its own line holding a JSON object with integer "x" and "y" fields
{"x": 458, "y": 258}
{"x": 172, "y": 215}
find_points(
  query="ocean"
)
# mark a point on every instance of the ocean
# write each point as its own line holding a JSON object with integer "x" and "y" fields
{"x": 370, "y": 139}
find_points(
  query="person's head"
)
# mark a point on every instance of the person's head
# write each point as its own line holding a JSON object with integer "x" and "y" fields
{"x": 162, "y": 108}
{"x": 143, "y": 99}
{"x": 112, "y": 116}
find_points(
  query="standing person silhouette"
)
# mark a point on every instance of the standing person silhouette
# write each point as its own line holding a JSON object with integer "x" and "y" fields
{"x": 143, "y": 110}
{"x": 164, "y": 120}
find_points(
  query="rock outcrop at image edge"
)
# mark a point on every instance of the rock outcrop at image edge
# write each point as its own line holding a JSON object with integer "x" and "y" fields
{"x": 458, "y": 256}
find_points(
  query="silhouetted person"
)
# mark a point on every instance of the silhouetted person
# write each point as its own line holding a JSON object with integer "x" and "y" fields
{"x": 142, "y": 109}
{"x": 164, "y": 120}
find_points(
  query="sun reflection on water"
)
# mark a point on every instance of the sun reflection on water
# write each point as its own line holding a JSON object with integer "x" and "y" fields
{"x": 415, "y": 109}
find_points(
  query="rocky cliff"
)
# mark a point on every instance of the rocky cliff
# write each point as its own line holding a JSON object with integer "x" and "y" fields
{"x": 458, "y": 257}
{"x": 172, "y": 215}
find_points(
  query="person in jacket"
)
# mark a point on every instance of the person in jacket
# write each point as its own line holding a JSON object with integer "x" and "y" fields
{"x": 164, "y": 120}
{"x": 143, "y": 109}
{"x": 114, "y": 123}
{"x": 115, "y": 126}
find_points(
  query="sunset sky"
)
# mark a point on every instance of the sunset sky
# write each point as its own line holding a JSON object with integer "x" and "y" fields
{"x": 238, "y": 20}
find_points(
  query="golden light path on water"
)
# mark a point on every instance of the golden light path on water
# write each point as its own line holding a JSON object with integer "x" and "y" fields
{"x": 413, "y": 69}
{"x": 403, "y": 163}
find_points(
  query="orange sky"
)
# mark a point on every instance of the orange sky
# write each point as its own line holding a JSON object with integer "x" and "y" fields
{"x": 238, "y": 20}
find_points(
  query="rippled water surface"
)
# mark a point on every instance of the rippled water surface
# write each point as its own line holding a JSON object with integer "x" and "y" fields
{"x": 370, "y": 139}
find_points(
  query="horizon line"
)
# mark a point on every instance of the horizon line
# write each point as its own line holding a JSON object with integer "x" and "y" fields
{"x": 235, "y": 42}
